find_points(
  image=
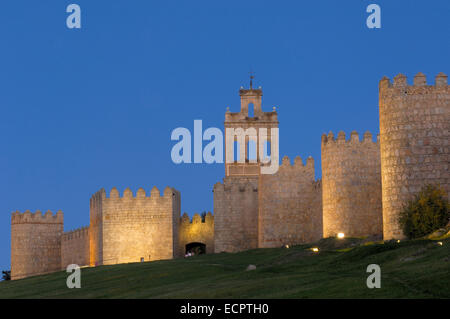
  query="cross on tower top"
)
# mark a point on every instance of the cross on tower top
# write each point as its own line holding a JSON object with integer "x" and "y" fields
{"x": 251, "y": 79}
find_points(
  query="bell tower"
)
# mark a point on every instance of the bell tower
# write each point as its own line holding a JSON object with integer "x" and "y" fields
{"x": 236, "y": 200}
{"x": 244, "y": 157}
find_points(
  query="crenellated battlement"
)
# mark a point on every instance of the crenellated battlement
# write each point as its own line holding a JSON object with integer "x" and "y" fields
{"x": 37, "y": 217}
{"x": 196, "y": 219}
{"x": 400, "y": 84}
{"x": 140, "y": 194}
{"x": 298, "y": 163}
{"x": 330, "y": 140}
{"x": 127, "y": 194}
{"x": 82, "y": 232}
{"x": 235, "y": 186}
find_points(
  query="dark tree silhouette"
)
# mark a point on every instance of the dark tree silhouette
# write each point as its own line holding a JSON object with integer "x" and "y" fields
{"x": 6, "y": 275}
{"x": 426, "y": 212}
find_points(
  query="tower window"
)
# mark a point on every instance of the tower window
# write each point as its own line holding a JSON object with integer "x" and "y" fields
{"x": 251, "y": 149}
{"x": 251, "y": 110}
{"x": 267, "y": 150}
{"x": 236, "y": 150}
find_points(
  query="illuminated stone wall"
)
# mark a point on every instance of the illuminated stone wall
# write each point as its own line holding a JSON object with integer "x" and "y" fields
{"x": 197, "y": 231}
{"x": 75, "y": 248}
{"x": 351, "y": 185}
{"x": 35, "y": 243}
{"x": 290, "y": 205}
{"x": 414, "y": 141}
{"x": 236, "y": 214}
{"x": 96, "y": 228}
{"x": 140, "y": 227}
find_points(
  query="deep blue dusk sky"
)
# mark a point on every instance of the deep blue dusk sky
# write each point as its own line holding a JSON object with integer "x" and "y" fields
{"x": 92, "y": 108}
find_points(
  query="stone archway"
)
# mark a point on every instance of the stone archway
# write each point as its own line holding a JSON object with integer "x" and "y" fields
{"x": 196, "y": 248}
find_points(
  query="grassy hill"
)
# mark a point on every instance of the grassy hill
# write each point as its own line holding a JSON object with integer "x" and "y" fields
{"x": 410, "y": 269}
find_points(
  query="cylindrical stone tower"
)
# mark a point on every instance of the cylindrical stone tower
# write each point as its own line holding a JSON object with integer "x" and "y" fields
{"x": 35, "y": 243}
{"x": 414, "y": 142}
{"x": 351, "y": 186}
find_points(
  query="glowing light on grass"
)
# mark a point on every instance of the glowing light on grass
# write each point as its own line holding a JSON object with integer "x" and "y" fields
{"x": 340, "y": 235}
{"x": 315, "y": 249}
{"x": 287, "y": 246}
{"x": 439, "y": 243}
{"x": 398, "y": 241}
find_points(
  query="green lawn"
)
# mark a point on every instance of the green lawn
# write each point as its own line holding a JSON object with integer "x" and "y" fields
{"x": 410, "y": 269}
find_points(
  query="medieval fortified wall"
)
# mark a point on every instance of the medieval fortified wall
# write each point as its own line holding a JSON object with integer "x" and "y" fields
{"x": 35, "y": 243}
{"x": 236, "y": 214}
{"x": 75, "y": 247}
{"x": 415, "y": 141}
{"x": 290, "y": 205}
{"x": 122, "y": 229}
{"x": 351, "y": 185}
{"x": 134, "y": 228}
{"x": 196, "y": 231}
{"x": 364, "y": 185}
{"x": 254, "y": 210}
